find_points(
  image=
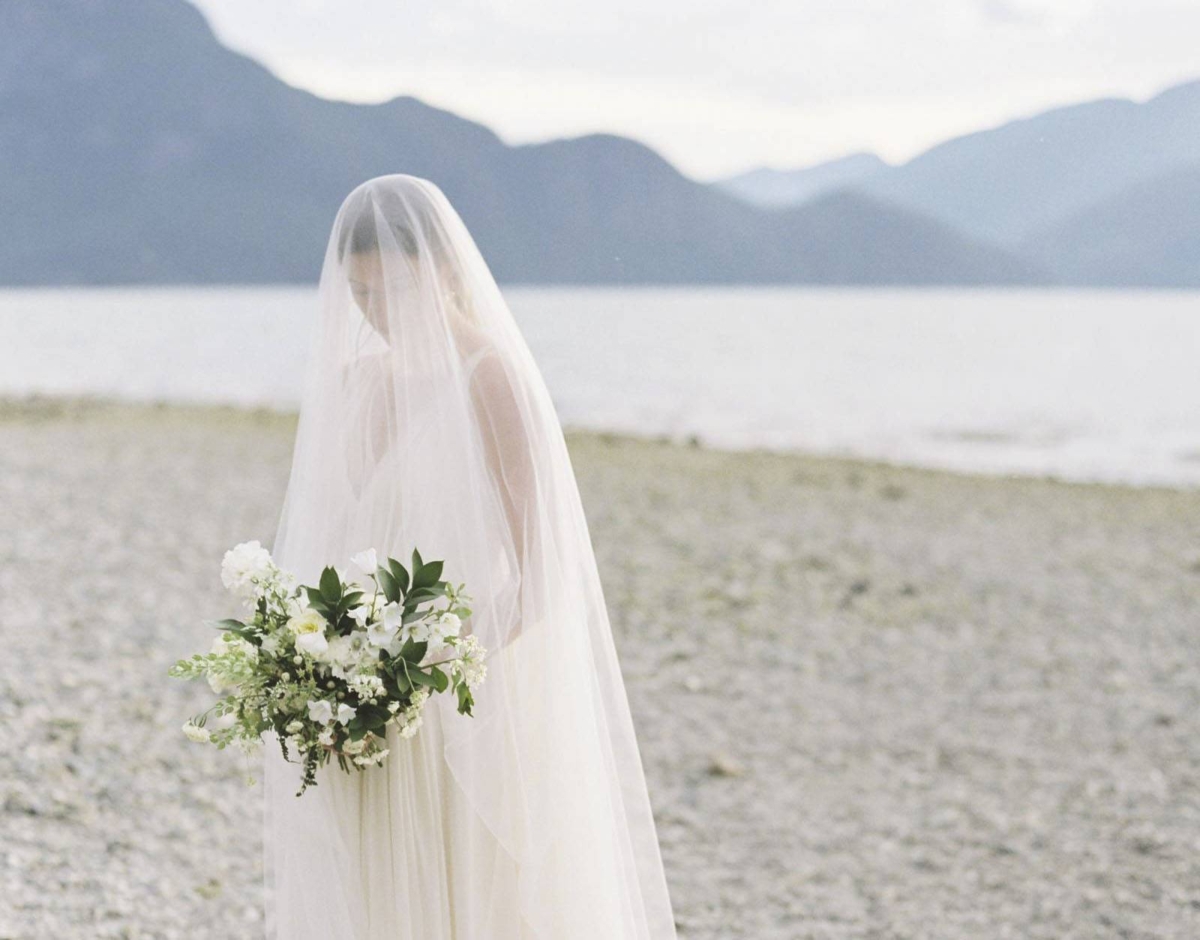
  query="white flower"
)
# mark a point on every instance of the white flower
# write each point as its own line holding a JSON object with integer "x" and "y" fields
{"x": 367, "y": 760}
{"x": 393, "y": 616}
{"x": 418, "y": 631}
{"x": 270, "y": 644}
{"x": 196, "y": 733}
{"x": 449, "y": 625}
{"x": 348, "y": 654}
{"x": 367, "y": 687}
{"x": 411, "y": 728}
{"x": 220, "y": 684}
{"x": 443, "y": 630}
{"x": 345, "y": 713}
{"x": 245, "y": 567}
{"x": 326, "y": 737}
{"x": 379, "y": 633}
{"x": 366, "y": 562}
{"x": 320, "y": 711}
{"x": 314, "y": 644}
{"x": 294, "y": 727}
{"x": 309, "y": 630}
{"x": 353, "y": 747}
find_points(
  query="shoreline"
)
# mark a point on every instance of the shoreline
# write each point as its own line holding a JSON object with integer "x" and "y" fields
{"x": 41, "y": 408}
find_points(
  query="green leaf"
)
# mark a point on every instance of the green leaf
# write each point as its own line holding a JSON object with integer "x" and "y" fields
{"x": 427, "y": 575}
{"x": 440, "y": 679}
{"x": 416, "y": 561}
{"x": 228, "y": 624}
{"x": 387, "y": 583}
{"x": 372, "y": 717}
{"x": 465, "y": 701}
{"x": 420, "y": 678}
{"x": 352, "y": 600}
{"x": 414, "y": 652}
{"x": 331, "y": 585}
{"x": 399, "y": 572}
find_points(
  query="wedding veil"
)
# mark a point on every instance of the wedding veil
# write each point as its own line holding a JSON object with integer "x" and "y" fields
{"x": 426, "y": 423}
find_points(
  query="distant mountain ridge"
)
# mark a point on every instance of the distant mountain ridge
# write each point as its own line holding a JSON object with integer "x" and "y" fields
{"x": 768, "y": 186}
{"x": 1007, "y": 183}
{"x": 1147, "y": 235}
{"x": 134, "y": 148}
{"x": 1101, "y": 193}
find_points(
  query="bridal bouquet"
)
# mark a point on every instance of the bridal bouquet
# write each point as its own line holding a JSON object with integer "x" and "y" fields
{"x": 330, "y": 668}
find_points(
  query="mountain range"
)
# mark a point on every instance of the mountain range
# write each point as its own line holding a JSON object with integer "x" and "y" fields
{"x": 1100, "y": 193}
{"x": 135, "y": 148}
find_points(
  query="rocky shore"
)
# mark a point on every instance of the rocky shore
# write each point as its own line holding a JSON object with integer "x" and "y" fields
{"x": 873, "y": 702}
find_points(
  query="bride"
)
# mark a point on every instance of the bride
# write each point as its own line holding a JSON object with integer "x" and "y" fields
{"x": 425, "y": 422}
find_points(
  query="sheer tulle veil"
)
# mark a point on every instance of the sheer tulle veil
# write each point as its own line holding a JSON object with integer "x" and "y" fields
{"x": 425, "y": 422}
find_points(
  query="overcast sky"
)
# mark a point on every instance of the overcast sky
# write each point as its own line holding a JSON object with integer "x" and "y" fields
{"x": 718, "y": 86}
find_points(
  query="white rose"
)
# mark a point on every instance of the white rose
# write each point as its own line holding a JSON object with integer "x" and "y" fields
{"x": 309, "y": 630}
{"x": 314, "y": 644}
{"x": 345, "y": 713}
{"x": 320, "y": 711}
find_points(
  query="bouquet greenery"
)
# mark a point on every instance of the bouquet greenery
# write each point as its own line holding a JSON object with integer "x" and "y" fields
{"x": 331, "y": 668}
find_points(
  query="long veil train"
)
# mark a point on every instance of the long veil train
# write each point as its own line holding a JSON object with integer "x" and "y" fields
{"x": 426, "y": 422}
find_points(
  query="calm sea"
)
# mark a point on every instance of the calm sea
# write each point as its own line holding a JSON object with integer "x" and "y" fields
{"x": 1078, "y": 384}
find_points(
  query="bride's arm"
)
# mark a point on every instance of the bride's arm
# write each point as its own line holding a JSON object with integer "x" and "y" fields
{"x": 509, "y": 455}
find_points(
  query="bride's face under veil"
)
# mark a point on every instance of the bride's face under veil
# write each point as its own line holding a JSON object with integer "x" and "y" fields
{"x": 396, "y": 257}
{"x": 425, "y": 423}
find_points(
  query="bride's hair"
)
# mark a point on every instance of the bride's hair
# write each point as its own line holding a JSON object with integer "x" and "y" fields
{"x": 360, "y": 235}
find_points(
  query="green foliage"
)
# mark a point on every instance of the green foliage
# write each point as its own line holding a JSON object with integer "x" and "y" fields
{"x": 392, "y": 591}
{"x": 270, "y": 688}
{"x": 399, "y": 572}
{"x": 331, "y": 586}
{"x": 427, "y": 575}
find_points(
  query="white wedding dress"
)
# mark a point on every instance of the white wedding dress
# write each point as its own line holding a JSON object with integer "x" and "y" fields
{"x": 425, "y": 423}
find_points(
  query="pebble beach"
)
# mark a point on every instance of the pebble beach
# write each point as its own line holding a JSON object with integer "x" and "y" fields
{"x": 873, "y": 702}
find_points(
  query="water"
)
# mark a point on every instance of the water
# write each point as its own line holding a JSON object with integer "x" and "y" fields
{"x": 1077, "y": 384}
